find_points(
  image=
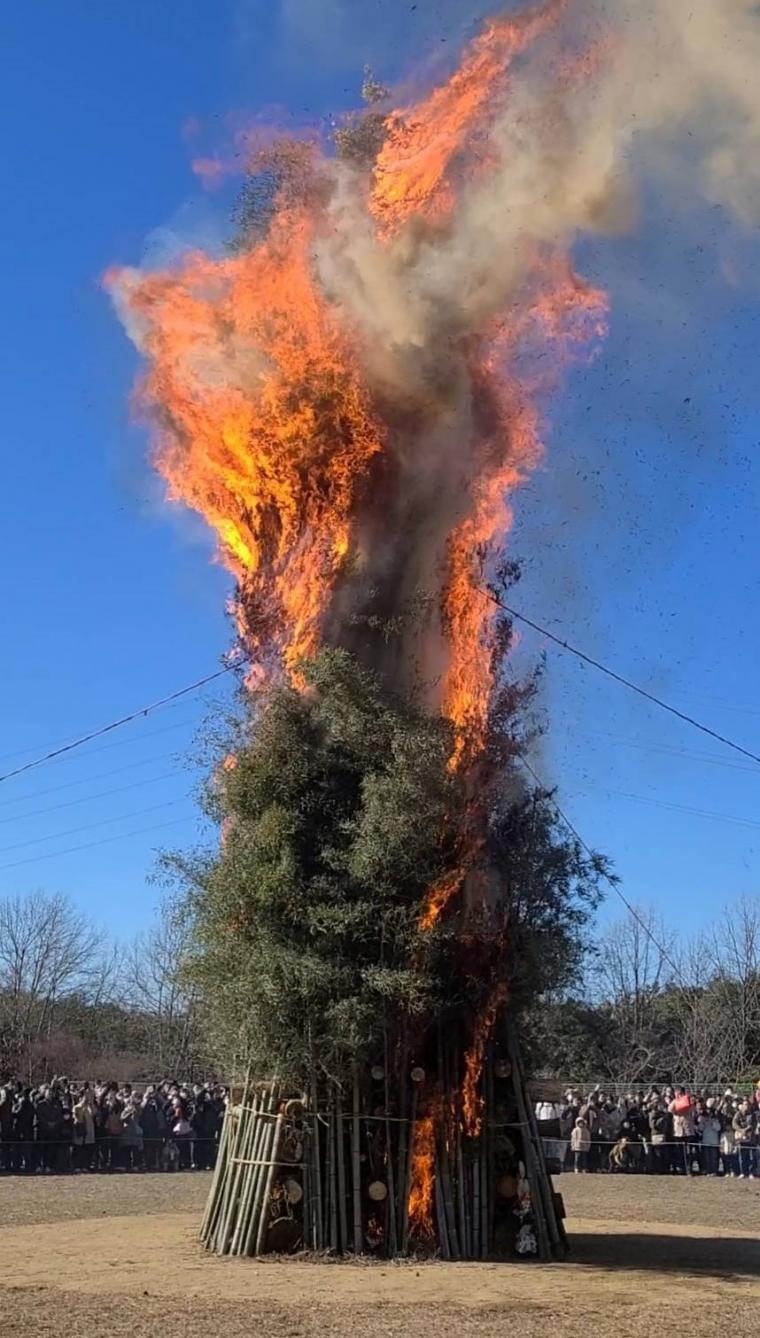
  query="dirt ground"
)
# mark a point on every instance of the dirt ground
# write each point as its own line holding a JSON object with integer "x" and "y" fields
{"x": 120, "y": 1256}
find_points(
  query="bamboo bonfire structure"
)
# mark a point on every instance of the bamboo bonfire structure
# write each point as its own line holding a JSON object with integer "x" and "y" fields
{"x": 390, "y": 1164}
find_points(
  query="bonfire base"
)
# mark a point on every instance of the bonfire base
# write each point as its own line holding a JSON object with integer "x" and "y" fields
{"x": 354, "y": 1177}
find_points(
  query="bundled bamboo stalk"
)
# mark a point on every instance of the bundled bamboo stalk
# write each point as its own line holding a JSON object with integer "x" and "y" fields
{"x": 353, "y": 1183}
{"x": 554, "y": 1227}
{"x": 232, "y": 1181}
{"x": 261, "y": 1205}
{"x": 220, "y": 1171}
{"x": 249, "y": 1218}
{"x": 533, "y": 1165}
{"x": 249, "y": 1173}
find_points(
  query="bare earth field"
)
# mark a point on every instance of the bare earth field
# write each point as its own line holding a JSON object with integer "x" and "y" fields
{"x": 119, "y": 1256}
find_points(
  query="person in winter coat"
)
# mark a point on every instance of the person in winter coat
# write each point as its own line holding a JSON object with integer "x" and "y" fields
{"x": 153, "y": 1125}
{"x": 204, "y": 1132}
{"x": 131, "y": 1142}
{"x": 113, "y": 1132}
{"x": 6, "y": 1129}
{"x": 49, "y": 1118}
{"x": 660, "y": 1135}
{"x": 709, "y": 1126}
{"x": 580, "y": 1144}
{"x": 23, "y": 1131}
{"x": 728, "y": 1148}
{"x": 182, "y": 1134}
{"x": 84, "y": 1131}
{"x": 66, "y": 1127}
{"x": 744, "y": 1131}
{"x": 684, "y": 1131}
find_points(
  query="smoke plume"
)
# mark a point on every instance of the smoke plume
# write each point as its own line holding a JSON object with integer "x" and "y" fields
{"x": 352, "y": 398}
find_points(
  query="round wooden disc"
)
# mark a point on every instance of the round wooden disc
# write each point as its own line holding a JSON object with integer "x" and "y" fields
{"x": 417, "y": 1075}
{"x": 293, "y": 1191}
{"x": 378, "y": 1191}
{"x": 291, "y": 1150}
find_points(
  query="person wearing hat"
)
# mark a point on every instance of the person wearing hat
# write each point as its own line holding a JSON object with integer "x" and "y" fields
{"x": 580, "y": 1144}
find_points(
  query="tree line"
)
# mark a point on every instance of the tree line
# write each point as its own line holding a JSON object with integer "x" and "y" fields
{"x": 653, "y": 1006}
{"x": 74, "y": 1002}
{"x": 644, "y": 1006}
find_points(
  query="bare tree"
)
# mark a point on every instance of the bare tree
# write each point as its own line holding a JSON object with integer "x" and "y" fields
{"x": 631, "y": 969}
{"x": 153, "y": 986}
{"x": 49, "y": 951}
{"x": 699, "y": 1055}
{"x": 734, "y": 954}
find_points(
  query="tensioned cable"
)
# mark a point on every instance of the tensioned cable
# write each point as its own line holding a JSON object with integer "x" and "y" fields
{"x": 619, "y": 678}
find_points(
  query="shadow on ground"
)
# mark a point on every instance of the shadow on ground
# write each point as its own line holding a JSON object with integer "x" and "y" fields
{"x": 720, "y": 1256}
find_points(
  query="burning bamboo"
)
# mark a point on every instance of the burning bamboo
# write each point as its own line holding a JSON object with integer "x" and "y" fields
{"x": 465, "y": 1190}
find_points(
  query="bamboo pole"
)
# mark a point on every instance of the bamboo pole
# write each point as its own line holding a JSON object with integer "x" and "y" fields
{"x": 334, "y": 1244}
{"x": 466, "y": 1216}
{"x": 484, "y": 1136}
{"x": 403, "y": 1140}
{"x": 247, "y": 1174}
{"x": 554, "y": 1226}
{"x": 259, "y": 1144}
{"x": 341, "y": 1149}
{"x": 476, "y": 1204}
{"x": 317, "y": 1163}
{"x": 408, "y": 1173}
{"x": 440, "y": 1214}
{"x": 462, "y": 1200}
{"x": 232, "y": 1185}
{"x": 356, "y": 1167}
{"x": 392, "y": 1207}
{"x": 448, "y": 1201}
{"x": 491, "y": 1156}
{"x": 529, "y": 1154}
{"x": 263, "y": 1204}
{"x": 306, "y": 1180}
{"x": 212, "y": 1202}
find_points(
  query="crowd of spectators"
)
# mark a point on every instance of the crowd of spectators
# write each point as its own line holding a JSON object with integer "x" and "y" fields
{"x": 663, "y": 1131}
{"x": 106, "y": 1126}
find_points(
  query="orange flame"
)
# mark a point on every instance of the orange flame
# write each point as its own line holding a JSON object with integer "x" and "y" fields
{"x": 265, "y": 426}
{"x": 269, "y": 422}
{"x": 420, "y": 1205}
{"x": 412, "y": 168}
{"x": 472, "y": 1099}
{"x": 439, "y": 897}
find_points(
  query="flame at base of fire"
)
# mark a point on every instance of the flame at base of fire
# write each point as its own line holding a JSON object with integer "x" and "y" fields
{"x": 422, "y": 1191}
{"x": 472, "y": 1099}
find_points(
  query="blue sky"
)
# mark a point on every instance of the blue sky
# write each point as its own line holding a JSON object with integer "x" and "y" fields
{"x": 639, "y": 535}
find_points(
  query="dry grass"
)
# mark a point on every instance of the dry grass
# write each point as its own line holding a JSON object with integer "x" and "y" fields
{"x": 118, "y": 1255}
{"x": 33, "y": 1200}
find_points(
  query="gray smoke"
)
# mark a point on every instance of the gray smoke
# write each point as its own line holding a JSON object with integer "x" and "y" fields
{"x": 676, "y": 96}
